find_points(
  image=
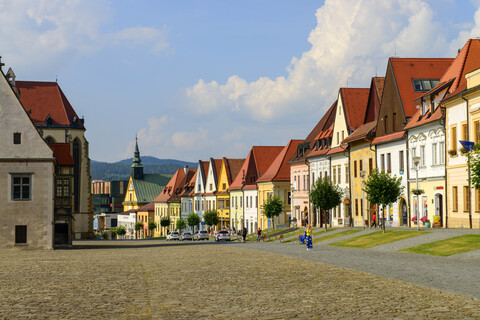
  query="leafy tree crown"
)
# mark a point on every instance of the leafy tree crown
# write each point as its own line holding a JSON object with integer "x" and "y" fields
{"x": 210, "y": 217}
{"x": 383, "y": 188}
{"x": 325, "y": 195}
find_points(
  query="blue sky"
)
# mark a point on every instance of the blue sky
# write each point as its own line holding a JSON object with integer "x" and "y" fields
{"x": 200, "y": 79}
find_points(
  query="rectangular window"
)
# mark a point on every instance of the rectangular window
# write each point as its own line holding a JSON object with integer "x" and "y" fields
{"x": 453, "y": 136}
{"x": 347, "y": 177}
{"x": 224, "y": 186}
{"x": 356, "y": 207}
{"x": 294, "y": 182}
{"x": 382, "y": 162}
{"x": 355, "y": 168}
{"x": 477, "y": 200}
{"x": 476, "y": 135}
{"x": 414, "y": 153}
{"x": 338, "y": 137}
{"x": 370, "y": 166}
{"x": 304, "y": 183}
{"x": 211, "y": 187}
{"x": 313, "y": 177}
{"x": 434, "y": 154}
{"x": 464, "y": 132}
{"x": 466, "y": 199}
{"x": 241, "y": 202}
{"x": 17, "y": 138}
{"x": 393, "y": 121}
{"x": 422, "y": 156}
{"x": 339, "y": 172}
{"x": 401, "y": 161}
{"x": 343, "y": 135}
{"x": 360, "y": 165}
{"x": 320, "y": 175}
{"x": 21, "y": 187}
{"x": 334, "y": 175}
{"x": 389, "y": 162}
{"x": 20, "y": 234}
{"x": 289, "y": 197}
{"x": 361, "y": 207}
{"x": 455, "y": 198}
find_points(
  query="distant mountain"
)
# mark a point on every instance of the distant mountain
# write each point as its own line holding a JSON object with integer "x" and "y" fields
{"x": 121, "y": 170}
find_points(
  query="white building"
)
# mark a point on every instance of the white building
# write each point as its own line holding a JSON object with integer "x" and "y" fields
{"x": 128, "y": 220}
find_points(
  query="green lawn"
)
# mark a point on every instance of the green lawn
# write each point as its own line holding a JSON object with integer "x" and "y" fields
{"x": 448, "y": 247}
{"x": 376, "y": 239}
{"x": 335, "y": 235}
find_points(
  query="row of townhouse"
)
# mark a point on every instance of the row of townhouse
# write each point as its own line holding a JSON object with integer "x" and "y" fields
{"x": 409, "y": 121}
{"x": 44, "y": 166}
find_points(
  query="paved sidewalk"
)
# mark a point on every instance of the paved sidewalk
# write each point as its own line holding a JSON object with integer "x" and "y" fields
{"x": 455, "y": 274}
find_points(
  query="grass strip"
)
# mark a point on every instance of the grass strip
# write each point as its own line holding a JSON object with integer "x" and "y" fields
{"x": 303, "y": 231}
{"x": 335, "y": 235}
{"x": 448, "y": 247}
{"x": 377, "y": 238}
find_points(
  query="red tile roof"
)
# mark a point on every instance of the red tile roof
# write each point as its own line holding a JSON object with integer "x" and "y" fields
{"x": 407, "y": 69}
{"x": 258, "y": 160}
{"x": 232, "y": 167}
{"x": 389, "y": 138}
{"x": 467, "y": 60}
{"x": 374, "y": 99}
{"x": 279, "y": 170}
{"x": 418, "y": 119}
{"x": 61, "y": 151}
{"x": 170, "y": 189}
{"x": 361, "y": 132}
{"x": 336, "y": 150}
{"x": 355, "y": 104}
{"x": 47, "y": 99}
{"x": 322, "y": 126}
{"x": 147, "y": 208}
{"x": 188, "y": 187}
{"x": 321, "y": 151}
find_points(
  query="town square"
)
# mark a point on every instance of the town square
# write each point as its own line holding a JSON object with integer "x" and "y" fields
{"x": 240, "y": 160}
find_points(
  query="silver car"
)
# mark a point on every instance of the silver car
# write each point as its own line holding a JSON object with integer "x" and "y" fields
{"x": 200, "y": 235}
{"x": 186, "y": 236}
{"x": 174, "y": 235}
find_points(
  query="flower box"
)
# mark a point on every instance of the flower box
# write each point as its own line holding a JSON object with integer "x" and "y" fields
{"x": 452, "y": 152}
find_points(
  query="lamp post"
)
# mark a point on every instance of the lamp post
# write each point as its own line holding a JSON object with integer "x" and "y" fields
{"x": 362, "y": 175}
{"x": 416, "y": 161}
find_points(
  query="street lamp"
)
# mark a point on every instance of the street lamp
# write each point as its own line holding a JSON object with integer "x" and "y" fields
{"x": 362, "y": 175}
{"x": 416, "y": 161}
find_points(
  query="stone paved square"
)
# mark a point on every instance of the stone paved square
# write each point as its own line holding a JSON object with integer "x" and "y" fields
{"x": 162, "y": 280}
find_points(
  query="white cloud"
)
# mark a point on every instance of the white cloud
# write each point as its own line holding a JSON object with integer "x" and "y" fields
{"x": 351, "y": 40}
{"x": 46, "y": 34}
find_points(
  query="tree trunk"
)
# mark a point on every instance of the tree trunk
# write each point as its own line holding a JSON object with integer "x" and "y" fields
{"x": 383, "y": 218}
{"x": 325, "y": 219}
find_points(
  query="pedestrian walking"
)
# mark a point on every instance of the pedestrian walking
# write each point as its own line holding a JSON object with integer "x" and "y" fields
{"x": 259, "y": 234}
{"x": 244, "y": 234}
{"x": 308, "y": 237}
{"x": 374, "y": 220}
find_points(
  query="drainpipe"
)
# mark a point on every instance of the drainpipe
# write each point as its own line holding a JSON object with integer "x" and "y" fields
{"x": 309, "y": 186}
{"x": 350, "y": 205}
{"x": 468, "y": 167}
{"x": 444, "y": 123}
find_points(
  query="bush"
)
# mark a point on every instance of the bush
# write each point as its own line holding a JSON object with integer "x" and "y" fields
{"x": 105, "y": 235}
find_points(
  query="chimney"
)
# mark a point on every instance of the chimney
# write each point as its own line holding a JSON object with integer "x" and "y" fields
{"x": 185, "y": 169}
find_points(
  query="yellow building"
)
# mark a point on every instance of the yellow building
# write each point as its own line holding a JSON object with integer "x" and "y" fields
{"x": 228, "y": 171}
{"x": 362, "y": 162}
{"x": 145, "y": 215}
{"x": 462, "y": 122}
{"x": 276, "y": 181}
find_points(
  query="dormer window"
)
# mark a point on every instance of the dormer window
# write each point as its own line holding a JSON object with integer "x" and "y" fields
{"x": 423, "y": 85}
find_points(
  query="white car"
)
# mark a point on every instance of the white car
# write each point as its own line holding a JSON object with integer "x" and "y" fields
{"x": 200, "y": 235}
{"x": 174, "y": 235}
{"x": 222, "y": 235}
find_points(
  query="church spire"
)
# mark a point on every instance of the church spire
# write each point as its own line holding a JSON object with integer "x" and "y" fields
{"x": 137, "y": 166}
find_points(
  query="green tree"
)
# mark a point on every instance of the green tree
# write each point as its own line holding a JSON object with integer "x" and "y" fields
{"x": 138, "y": 227}
{"x": 181, "y": 224}
{"x": 121, "y": 231}
{"x": 193, "y": 220}
{"x": 273, "y": 207}
{"x": 325, "y": 196}
{"x": 210, "y": 217}
{"x": 151, "y": 226}
{"x": 114, "y": 233}
{"x": 383, "y": 189}
{"x": 165, "y": 222}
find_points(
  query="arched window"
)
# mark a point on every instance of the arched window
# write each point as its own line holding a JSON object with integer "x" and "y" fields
{"x": 49, "y": 139}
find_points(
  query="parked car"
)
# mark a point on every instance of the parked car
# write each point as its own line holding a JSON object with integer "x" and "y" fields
{"x": 174, "y": 235}
{"x": 222, "y": 235}
{"x": 186, "y": 236}
{"x": 200, "y": 235}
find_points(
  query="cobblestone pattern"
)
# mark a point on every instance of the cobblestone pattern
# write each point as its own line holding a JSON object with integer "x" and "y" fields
{"x": 205, "y": 281}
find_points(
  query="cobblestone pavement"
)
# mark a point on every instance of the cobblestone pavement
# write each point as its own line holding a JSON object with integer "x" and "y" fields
{"x": 159, "y": 280}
